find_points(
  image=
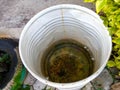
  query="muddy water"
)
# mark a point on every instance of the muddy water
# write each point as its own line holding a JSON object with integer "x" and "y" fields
{"x": 67, "y": 61}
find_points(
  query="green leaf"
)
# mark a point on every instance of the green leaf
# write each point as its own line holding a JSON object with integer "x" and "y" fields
{"x": 117, "y": 33}
{"x": 4, "y": 58}
{"x": 100, "y": 4}
{"x": 117, "y": 61}
{"x": 118, "y": 17}
{"x": 111, "y": 64}
{"x": 118, "y": 66}
{"x": 105, "y": 20}
{"x": 21, "y": 87}
{"x": 18, "y": 80}
{"x": 117, "y": 40}
{"x": 117, "y": 25}
{"x": 116, "y": 47}
{"x": 119, "y": 51}
{"x": 114, "y": 10}
{"x": 16, "y": 86}
{"x": 112, "y": 30}
{"x": 117, "y": 1}
{"x": 89, "y": 0}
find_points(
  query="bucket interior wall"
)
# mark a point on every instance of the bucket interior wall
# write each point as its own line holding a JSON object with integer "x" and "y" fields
{"x": 60, "y": 24}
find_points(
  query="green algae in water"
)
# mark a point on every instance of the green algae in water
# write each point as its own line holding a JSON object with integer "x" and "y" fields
{"x": 67, "y": 61}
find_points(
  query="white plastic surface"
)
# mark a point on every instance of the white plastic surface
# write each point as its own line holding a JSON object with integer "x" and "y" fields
{"x": 61, "y": 22}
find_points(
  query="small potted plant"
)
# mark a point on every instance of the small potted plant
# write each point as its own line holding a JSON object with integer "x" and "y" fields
{"x": 8, "y": 61}
{"x": 12, "y": 72}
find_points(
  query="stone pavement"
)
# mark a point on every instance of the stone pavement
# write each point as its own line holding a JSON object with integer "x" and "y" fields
{"x": 16, "y": 13}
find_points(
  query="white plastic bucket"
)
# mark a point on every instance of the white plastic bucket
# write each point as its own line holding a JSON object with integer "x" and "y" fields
{"x": 61, "y": 22}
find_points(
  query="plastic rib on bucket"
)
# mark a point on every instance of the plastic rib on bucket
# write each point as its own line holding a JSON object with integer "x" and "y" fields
{"x": 63, "y": 22}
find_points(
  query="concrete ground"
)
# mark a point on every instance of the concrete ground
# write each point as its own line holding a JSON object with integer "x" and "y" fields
{"x": 16, "y": 13}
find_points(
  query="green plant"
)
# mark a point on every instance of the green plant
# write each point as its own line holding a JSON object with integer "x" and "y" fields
{"x": 109, "y": 11}
{"x": 4, "y": 58}
{"x": 4, "y": 64}
{"x": 19, "y": 78}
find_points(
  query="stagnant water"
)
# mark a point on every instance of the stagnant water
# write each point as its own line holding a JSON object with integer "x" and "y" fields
{"x": 67, "y": 61}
